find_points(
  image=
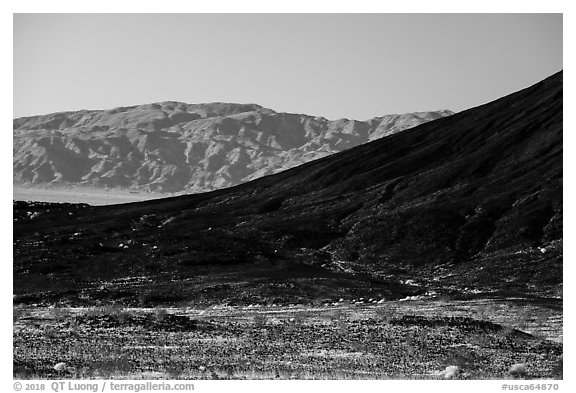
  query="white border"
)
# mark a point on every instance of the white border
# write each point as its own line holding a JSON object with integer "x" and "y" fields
{"x": 301, "y": 6}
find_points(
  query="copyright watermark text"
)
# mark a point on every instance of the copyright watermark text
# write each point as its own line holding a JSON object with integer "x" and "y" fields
{"x": 530, "y": 386}
{"x": 102, "y": 386}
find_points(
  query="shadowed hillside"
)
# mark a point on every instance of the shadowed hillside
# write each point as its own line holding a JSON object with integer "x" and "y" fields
{"x": 465, "y": 205}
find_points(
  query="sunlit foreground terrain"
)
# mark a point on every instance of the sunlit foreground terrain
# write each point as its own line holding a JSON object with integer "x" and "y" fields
{"x": 436, "y": 339}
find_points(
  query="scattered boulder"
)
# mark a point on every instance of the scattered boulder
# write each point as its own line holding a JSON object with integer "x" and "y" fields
{"x": 451, "y": 372}
{"x": 518, "y": 370}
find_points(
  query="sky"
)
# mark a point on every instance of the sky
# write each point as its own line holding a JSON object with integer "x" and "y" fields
{"x": 354, "y": 66}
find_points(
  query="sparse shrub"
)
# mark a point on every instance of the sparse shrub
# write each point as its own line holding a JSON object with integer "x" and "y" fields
{"x": 558, "y": 369}
{"x": 112, "y": 309}
{"x": 50, "y": 333}
{"x": 112, "y": 367}
{"x": 298, "y": 319}
{"x": 259, "y": 320}
{"x": 146, "y": 221}
{"x": 16, "y": 314}
{"x": 358, "y": 346}
{"x": 230, "y": 372}
{"x": 386, "y": 314}
{"x": 482, "y": 312}
{"x": 541, "y": 317}
{"x": 559, "y": 291}
{"x": 175, "y": 370}
{"x": 58, "y": 313}
{"x": 521, "y": 320}
{"x": 479, "y": 339}
{"x": 336, "y": 315}
{"x": 113, "y": 313}
{"x": 451, "y": 372}
{"x": 506, "y": 331}
{"x": 518, "y": 370}
{"x": 462, "y": 357}
{"x": 124, "y": 317}
{"x": 160, "y": 314}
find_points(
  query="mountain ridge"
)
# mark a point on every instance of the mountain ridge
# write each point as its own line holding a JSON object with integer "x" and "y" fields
{"x": 174, "y": 147}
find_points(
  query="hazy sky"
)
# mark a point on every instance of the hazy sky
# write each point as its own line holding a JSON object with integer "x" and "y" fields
{"x": 333, "y": 65}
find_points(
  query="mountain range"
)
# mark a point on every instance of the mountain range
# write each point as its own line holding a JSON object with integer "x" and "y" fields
{"x": 172, "y": 147}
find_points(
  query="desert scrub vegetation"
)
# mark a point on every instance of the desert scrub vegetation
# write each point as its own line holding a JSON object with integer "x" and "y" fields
{"x": 351, "y": 342}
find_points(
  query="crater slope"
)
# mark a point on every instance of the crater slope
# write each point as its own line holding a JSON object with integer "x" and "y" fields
{"x": 467, "y": 205}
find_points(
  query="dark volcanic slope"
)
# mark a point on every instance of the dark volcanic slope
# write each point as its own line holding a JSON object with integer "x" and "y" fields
{"x": 472, "y": 201}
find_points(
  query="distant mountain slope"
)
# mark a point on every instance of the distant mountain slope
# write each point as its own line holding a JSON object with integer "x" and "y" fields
{"x": 174, "y": 147}
{"x": 467, "y": 205}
